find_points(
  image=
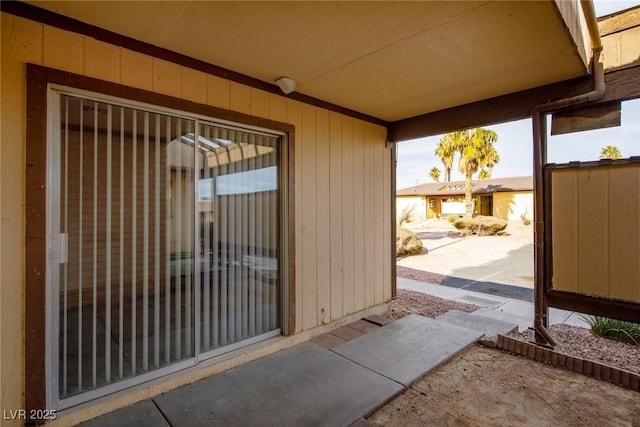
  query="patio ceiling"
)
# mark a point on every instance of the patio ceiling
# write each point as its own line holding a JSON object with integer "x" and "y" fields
{"x": 387, "y": 60}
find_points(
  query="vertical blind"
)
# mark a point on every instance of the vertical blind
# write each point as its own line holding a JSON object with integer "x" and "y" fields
{"x": 239, "y": 234}
{"x": 172, "y": 235}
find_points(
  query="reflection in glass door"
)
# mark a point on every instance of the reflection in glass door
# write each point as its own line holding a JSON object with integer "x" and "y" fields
{"x": 239, "y": 226}
{"x": 126, "y": 212}
{"x": 165, "y": 244}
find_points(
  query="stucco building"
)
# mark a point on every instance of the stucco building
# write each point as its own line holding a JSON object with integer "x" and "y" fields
{"x": 506, "y": 198}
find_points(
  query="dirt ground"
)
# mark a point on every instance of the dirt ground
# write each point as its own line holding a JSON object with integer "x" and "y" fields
{"x": 487, "y": 387}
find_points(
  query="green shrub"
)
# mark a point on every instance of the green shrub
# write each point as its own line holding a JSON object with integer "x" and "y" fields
{"x": 407, "y": 243}
{"x": 618, "y": 330}
{"x": 481, "y": 225}
{"x": 452, "y": 218}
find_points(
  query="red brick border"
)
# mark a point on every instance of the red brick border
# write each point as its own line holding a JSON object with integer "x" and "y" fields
{"x": 590, "y": 368}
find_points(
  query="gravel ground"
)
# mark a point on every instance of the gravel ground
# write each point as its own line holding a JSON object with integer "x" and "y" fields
{"x": 571, "y": 340}
{"x": 419, "y": 275}
{"x": 411, "y": 302}
{"x": 581, "y": 342}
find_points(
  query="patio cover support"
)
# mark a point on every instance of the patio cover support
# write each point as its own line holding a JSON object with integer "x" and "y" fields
{"x": 538, "y": 118}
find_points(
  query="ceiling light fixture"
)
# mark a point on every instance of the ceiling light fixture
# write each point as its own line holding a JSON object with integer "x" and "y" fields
{"x": 286, "y": 84}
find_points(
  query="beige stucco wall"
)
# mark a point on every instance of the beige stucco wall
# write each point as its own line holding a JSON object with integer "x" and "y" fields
{"x": 342, "y": 183}
{"x": 512, "y": 205}
{"x": 417, "y": 203}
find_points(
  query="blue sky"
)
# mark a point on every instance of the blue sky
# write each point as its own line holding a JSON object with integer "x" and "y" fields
{"x": 416, "y": 158}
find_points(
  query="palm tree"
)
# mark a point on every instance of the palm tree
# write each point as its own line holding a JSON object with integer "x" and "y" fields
{"x": 434, "y": 173}
{"x": 491, "y": 159}
{"x": 610, "y": 152}
{"x": 484, "y": 174}
{"x": 476, "y": 151}
{"x": 446, "y": 151}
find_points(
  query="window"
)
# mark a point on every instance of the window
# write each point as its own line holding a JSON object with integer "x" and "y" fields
{"x": 165, "y": 235}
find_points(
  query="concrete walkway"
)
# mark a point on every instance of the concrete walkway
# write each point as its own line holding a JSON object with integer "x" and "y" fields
{"x": 493, "y": 306}
{"x": 325, "y": 384}
{"x": 337, "y": 378}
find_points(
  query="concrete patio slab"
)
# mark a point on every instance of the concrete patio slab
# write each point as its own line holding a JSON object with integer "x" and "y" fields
{"x": 522, "y": 321}
{"x": 524, "y": 309}
{"x": 139, "y": 414}
{"x": 347, "y": 333}
{"x": 489, "y": 327}
{"x": 328, "y": 340}
{"x": 493, "y": 306}
{"x": 483, "y": 301}
{"x": 408, "y": 348}
{"x": 364, "y": 326}
{"x": 303, "y": 385}
{"x": 454, "y": 294}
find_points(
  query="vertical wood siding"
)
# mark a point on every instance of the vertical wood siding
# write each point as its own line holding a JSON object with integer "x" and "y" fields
{"x": 573, "y": 17}
{"x": 596, "y": 231}
{"x": 21, "y": 43}
{"x": 342, "y": 175}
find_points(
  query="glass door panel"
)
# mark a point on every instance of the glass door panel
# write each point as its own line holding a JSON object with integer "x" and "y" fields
{"x": 238, "y": 200}
{"x": 126, "y": 203}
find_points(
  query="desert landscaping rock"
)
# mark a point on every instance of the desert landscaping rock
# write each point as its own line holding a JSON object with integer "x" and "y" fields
{"x": 581, "y": 342}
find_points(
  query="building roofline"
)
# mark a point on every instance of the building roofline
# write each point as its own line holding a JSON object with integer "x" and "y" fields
{"x": 482, "y": 186}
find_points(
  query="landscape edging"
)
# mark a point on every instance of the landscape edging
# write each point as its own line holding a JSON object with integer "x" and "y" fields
{"x": 590, "y": 368}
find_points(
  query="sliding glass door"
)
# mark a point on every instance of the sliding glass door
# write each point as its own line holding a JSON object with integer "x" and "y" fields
{"x": 164, "y": 243}
{"x": 238, "y": 209}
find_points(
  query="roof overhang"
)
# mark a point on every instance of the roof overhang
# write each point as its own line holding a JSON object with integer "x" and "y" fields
{"x": 387, "y": 60}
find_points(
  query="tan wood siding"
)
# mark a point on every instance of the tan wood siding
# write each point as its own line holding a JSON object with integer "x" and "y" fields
{"x": 358, "y": 216}
{"x": 565, "y": 202}
{"x": 336, "y": 185}
{"x": 342, "y": 176}
{"x": 380, "y": 249}
{"x": 369, "y": 225}
{"x": 294, "y": 117}
{"x": 596, "y": 231}
{"x": 21, "y": 43}
{"x": 573, "y": 16}
{"x": 621, "y": 49}
{"x": 323, "y": 212}
{"x": 103, "y": 60}
{"x": 347, "y": 217}
{"x": 136, "y": 70}
{"x": 309, "y": 217}
{"x": 387, "y": 222}
{"x": 624, "y": 233}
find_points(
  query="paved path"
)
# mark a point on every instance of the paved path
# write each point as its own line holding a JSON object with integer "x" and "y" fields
{"x": 493, "y": 306}
{"x": 475, "y": 261}
{"x": 308, "y": 384}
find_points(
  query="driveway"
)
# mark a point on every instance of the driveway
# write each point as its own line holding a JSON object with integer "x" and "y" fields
{"x": 501, "y": 265}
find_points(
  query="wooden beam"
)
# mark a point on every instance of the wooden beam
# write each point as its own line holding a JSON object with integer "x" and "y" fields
{"x": 597, "y": 306}
{"x": 620, "y": 84}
